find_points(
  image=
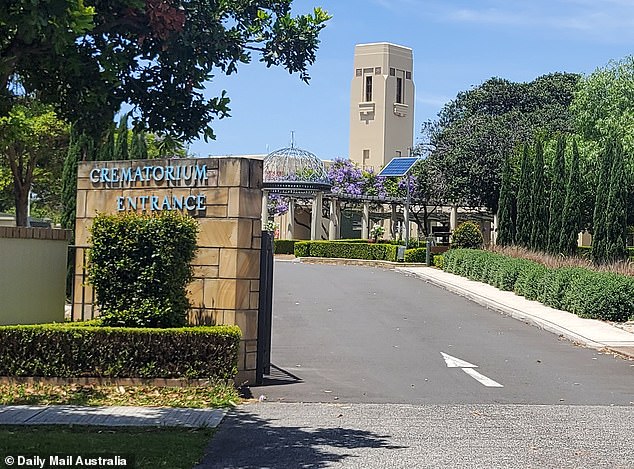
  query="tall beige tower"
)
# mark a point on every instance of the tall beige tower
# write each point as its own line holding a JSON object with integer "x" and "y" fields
{"x": 381, "y": 104}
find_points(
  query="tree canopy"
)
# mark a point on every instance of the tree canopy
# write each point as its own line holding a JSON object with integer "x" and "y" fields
{"x": 481, "y": 127}
{"x": 88, "y": 59}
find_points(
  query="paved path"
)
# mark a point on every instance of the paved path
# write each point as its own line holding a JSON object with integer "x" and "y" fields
{"x": 113, "y": 416}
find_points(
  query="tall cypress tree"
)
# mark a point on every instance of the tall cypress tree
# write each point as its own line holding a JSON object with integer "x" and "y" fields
{"x": 616, "y": 213}
{"x": 599, "y": 233}
{"x": 571, "y": 219}
{"x": 121, "y": 147}
{"x": 106, "y": 150}
{"x": 523, "y": 226}
{"x": 539, "y": 203}
{"x": 506, "y": 224}
{"x": 69, "y": 181}
{"x": 138, "y": 146}
{"x": 557, "y": 196}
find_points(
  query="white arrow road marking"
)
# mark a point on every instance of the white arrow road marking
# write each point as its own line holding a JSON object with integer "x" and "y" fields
{"x": 488, "y": 382}
{"x": 453, "y": 362}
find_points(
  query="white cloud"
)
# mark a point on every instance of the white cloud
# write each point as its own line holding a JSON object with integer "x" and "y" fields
{"x": 602, "y": 19}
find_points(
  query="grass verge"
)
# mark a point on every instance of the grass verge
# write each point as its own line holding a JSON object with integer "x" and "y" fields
{"x": 219, "y": 395}
{"x": 173, "y": 448}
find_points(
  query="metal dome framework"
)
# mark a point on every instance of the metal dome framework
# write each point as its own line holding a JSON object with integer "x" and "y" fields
{"x": 294, "y": 172}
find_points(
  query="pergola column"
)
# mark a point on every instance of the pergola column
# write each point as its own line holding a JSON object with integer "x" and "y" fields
{"x": 393, "y": 222}
{"x": 290, "y": 225}
{"x": 265, "y": 208}
{"x": 315, "y": 219}
{"x": 453, "y": 218}
{"x": 365, "y": 221}
{"x": 335, "y": 216}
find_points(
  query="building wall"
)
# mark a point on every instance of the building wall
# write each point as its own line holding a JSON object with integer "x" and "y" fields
{"x": 225, "y": 289}
{"x": 380, "y": 127}
{"x": 33, "y": 286}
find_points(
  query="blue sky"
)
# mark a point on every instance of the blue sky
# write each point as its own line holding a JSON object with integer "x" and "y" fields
{"x": 457, "y": 44}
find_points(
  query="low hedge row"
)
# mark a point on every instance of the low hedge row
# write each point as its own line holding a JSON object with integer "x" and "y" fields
{"x": 61, "y": 350}
{"x": 416, "y": 255}
{"x": 338, "y": 249}
{"x": 589, "y": 294}
{"x": 586, "y": 251}
{"x": 284, "y": 246}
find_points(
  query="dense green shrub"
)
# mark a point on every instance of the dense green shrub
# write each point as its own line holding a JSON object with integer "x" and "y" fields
{"x": 439, "y": 260}
{"x": 301, "y": 248}
{"x": 140, "y": 266}
{"x": 69, "y": 351}
{"x": 338, "y": 249}
{"x": 284, "y": 246}
{"x": 467, "y": 235}
{"x": 557, "y": 283}
{"x": 587, "y": 293}
{"x": 416, "y": 255}
{"x": 530, "y": 280}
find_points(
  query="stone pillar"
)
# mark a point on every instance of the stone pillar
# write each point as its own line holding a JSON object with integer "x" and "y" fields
{"x": 290, "y": 216}
{"x": 315, "y": 218}
{"x": 365, "y": 221}
{"x": 335, "y": 215}
{"x": 227, "y": 192}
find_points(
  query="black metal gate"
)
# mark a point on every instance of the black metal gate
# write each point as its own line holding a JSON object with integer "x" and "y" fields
{"x": 265, "y": 312}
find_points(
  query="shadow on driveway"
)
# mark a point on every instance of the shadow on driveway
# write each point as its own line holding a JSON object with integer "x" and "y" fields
{"x": 247, "y": 440}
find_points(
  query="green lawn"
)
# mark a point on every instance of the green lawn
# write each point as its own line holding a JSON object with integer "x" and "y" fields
{"x": 173, "y": 448}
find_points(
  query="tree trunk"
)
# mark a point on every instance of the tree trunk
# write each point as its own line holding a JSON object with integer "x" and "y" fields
{"x": 21, "y": 195}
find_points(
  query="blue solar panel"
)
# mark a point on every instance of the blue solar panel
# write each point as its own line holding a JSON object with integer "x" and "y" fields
{"x": 398, "y": 167}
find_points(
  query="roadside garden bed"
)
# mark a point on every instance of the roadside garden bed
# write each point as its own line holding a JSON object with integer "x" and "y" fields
{"x": 584, "y": 292}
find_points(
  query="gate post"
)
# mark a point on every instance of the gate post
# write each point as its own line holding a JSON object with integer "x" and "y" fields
{"x": 265, "y": 307}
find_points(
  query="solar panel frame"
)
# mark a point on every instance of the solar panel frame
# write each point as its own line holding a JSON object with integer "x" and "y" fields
{"x": 399, "y": 166}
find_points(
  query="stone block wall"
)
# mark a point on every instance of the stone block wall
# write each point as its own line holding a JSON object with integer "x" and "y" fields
{"x": 225, "y": 289}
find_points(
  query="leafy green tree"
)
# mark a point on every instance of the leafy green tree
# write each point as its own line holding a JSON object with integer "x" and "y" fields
{"x": 557, "y": 196}
{"x": 506, "y": 207}
{"x": 571, "y": 217}
{"x": 121, "y": 146}
{"x": 539, "y": 202}
{"x": 616, "y": 210}
{"x": 600, "y": 235}
{"x": 603, "y": 106}
{"x": 524, "y": 217}
{"x": 480, "y": 126}
{"x": 155, "y": 55}
{"x": 32, "y": 139}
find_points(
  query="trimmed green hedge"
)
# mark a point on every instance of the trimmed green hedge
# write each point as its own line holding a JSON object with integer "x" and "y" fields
{"x": 140, "y": 266}
{"x": 66, "y": 351}
{"x": 284, "y": 246}
{"x": 338, "y": 249}
{"x": 439, "y": 260}
{"x": 416, "y": 255}
{"x": 590, "y": 294}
